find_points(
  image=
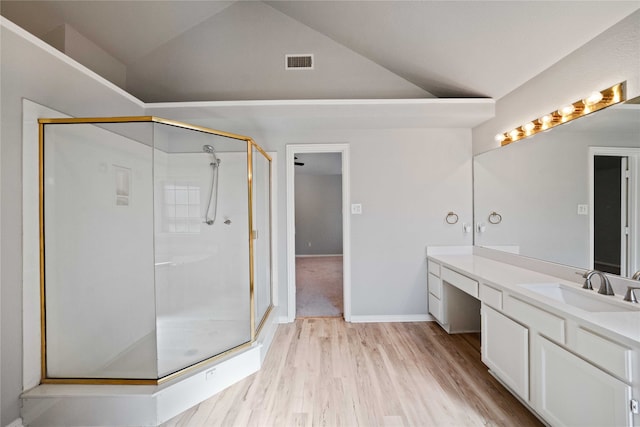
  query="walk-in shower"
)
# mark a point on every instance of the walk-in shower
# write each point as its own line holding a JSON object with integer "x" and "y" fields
{"x": 155, "y": 259}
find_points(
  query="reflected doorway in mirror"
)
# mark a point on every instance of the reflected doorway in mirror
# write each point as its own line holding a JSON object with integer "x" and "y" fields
{"x": 613, "y": 202}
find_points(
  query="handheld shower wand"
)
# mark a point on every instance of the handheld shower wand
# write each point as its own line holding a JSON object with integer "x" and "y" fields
{"x": 213, "y": 195}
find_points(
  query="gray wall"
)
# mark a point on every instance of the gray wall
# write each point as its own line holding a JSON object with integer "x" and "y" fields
{"x": 248, "y": 65}
{"x": 29, "y": 72}
{"x": 318, "y": 214}
{"x": 406, "y": 180}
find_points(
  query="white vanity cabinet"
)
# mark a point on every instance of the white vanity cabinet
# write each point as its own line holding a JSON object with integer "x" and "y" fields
{"x": 505, "y": 350}
{"x": 573, "y": 392}
{"x": 566, "y": 367}
{"x": 567, "y": 387}
{"x": 453, "y": 299}
{"x": 436, "y": 308}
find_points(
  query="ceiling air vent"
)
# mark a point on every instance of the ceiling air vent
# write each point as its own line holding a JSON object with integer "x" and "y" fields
{"x": 298, "y": 62}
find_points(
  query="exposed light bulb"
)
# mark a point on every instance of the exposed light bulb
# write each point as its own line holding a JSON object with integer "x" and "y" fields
{"x": 528, "y": 127}
{"x": 566, "y": 110}
{"x": 592, "y": 99}
{"x": 545, "y": 120}
{"x": 500, "y": 137}
{"x": 514, "y": 134}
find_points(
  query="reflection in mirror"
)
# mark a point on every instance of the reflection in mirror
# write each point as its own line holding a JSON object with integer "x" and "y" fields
{"x": 570, "y": 195}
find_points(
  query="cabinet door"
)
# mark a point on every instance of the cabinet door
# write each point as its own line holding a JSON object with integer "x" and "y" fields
{"x": 505, "y": 350}
{"x": 436, "y": 309}
{"x": 575, "y": 393}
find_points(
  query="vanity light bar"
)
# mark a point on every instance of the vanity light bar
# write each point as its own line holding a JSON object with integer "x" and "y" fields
{"x": 594, "y": 102}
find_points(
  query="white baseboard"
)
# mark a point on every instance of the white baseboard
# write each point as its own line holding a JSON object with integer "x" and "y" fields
{"x": 283, "y": 319}
{"x": 392, "y": 318}
{"x": 15, "y": 423}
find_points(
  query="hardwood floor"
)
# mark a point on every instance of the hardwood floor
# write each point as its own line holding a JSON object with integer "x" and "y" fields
{"x": 325, "y": 372}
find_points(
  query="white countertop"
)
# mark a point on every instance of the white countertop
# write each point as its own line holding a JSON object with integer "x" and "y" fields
{"x": 625, "y": 325}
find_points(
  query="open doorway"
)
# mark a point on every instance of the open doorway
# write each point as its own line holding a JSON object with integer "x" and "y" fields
{"x": 610, "y": 214}
{"x": 318, "y": 224}
{"x": 318, "y": 230}
{"x": 614, "y": 206}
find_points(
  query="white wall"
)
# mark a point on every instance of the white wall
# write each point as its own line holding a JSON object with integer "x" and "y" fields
{"x": 610, "y": 58}
{"x": 318, "y": 214}
{"x": 29, "y": 71}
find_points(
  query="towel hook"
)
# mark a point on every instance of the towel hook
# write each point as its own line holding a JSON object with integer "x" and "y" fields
{"x": 451, "y": 218}
{"x": 495, "y": 218}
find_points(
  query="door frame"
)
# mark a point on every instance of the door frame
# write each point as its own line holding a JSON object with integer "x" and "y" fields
{"x": 292, "y": 150}
{"x": 633, "y": 206}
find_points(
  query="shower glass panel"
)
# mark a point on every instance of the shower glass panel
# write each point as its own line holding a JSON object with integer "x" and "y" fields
{"x": 201, "y": 246}
{"x": 148, "y": 254}
{"x": 262, "y": 236}
{"x": 98, "y": 248}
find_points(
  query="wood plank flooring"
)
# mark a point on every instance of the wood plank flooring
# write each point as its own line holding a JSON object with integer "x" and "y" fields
{"x": 325, "y": 372}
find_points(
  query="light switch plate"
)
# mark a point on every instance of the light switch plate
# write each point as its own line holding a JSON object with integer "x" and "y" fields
{"x": 583, "y": 209}
{"x": 356, "y": 209}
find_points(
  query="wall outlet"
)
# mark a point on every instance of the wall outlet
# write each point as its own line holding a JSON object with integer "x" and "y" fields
{"x": 356, "y": 209}
{"x": 583, "y": 209}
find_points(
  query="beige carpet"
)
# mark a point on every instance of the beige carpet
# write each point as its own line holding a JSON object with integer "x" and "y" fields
{"x": 319, "y": 286}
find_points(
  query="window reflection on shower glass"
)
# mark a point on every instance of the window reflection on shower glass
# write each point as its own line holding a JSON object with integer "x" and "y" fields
{"x": 201, "y": 246}
{"x": 262, "y": 241}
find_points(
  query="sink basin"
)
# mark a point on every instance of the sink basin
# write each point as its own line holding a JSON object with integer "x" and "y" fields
{"x": 579, "y": 298}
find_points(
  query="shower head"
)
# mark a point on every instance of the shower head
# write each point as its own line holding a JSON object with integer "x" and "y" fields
{"x": 208, "y": 149}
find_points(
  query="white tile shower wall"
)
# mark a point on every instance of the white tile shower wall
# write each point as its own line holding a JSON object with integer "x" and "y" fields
{"x": 202, "y": 271}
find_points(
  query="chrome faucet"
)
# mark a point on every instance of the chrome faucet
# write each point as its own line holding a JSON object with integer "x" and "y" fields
{"x": 630, "y": 296}
{"x": 605, "y": 284}
{"x": 587, "y": 279}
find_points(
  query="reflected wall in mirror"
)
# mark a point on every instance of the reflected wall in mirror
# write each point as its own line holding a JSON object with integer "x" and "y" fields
{"x": 564, "y": 195}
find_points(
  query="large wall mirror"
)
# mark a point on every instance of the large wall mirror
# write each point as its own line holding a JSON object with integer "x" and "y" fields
{"x": 570, "y": 195}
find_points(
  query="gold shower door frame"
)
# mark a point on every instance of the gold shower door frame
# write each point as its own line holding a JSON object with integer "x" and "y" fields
{"x": 250, "y": 144}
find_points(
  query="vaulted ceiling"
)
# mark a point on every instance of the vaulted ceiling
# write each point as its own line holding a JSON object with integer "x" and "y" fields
{"x": 185, "y": 50}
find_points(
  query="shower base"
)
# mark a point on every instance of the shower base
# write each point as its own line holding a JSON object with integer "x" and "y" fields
{"x": 110, "y": 405}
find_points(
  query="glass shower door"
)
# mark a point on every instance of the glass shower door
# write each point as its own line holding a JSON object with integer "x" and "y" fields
{"x": 201, "y": 246}
{"x": 261, "y": 194}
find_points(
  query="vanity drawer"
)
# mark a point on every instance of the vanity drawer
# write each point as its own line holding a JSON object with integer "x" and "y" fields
{"x": 436, "y": 308}
{"x": 435, "y": 285}
{"x": 491, "y": 296}
{"x": 461, "y": 282}
{"x": 434, "y": 268}
{"x": 610, "y": 356}
{"x": 544, "y": 322}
